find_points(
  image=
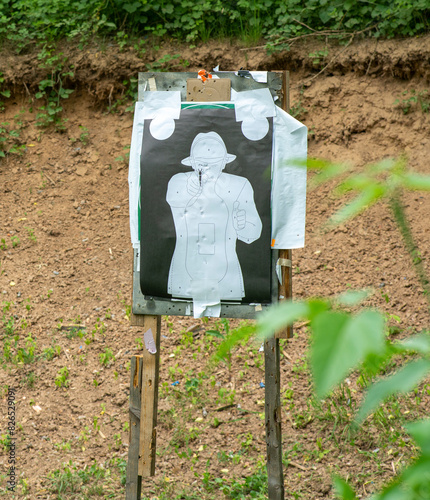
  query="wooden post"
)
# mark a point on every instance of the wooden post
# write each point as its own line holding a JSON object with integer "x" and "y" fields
{"x": 134, "y": 481}
{"x": 275, "y": 471}
{"x": 149, "y": 401}
{"x": 144, "y": 376}
{"x": 273, "y": 419}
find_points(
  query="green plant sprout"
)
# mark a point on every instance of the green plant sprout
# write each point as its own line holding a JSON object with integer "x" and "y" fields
{"x": 15, "y": 241}
{"x": 51, "y": 89}
{"x": 31, "y": 235}
{"x": 62, "y": 378}
{"x": 412, "y": 98}
{"x": 106, "y": 357}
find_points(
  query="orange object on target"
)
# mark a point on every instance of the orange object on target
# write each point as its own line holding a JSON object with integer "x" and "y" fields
{"x": 204, "y": 75}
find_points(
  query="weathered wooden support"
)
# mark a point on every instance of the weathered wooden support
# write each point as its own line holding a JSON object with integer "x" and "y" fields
{"x": 149, "y": 399}
{"x": 273, "y": 419}
{"x": 134, "y": 481}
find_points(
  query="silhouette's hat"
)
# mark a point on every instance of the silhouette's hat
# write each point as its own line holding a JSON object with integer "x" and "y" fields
{"x": 208, "y": 146}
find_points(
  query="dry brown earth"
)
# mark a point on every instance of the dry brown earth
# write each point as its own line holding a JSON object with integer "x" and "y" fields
{"x": 64, "y": 203}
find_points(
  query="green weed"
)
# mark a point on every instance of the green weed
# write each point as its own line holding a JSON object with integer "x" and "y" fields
{"x": 51, "y": 352}
{"x": 411, "y": 99}
{"x": 88, "y": 482}
{"x": 52, "y": 89}
{"x": 318, "y": 57}
{"x": 9, "y": 140}
{"x": 31, "y": 235}
{"x": 15, "y": 241}
{"x": 26, "y": 354}
{"x": 3, "y": 92}
{"x": 62, "y": 378}
{"x": 106, "y": 357}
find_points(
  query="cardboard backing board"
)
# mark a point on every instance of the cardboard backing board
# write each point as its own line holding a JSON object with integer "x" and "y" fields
{"x": 147, "y": 304}
{"x": 178, "y": 81}
{"x": 209, "y": 91}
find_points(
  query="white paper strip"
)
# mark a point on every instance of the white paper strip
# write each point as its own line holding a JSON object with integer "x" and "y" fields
{"x": 288, "y": 182}
{"x": 134, "y": 173}
{"x": 149, "y": 341}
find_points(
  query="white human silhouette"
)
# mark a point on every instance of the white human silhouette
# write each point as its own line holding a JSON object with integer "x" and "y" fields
{"x": 211, "y": 210}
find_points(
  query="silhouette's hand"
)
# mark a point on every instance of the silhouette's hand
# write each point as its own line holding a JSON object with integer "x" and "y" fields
{"x": 239, "y": 217}
{"x": 193, "y": 184}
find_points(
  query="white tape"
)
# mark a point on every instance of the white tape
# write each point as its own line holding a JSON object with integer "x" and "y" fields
{"x": 280, "y": 263}
{"x": 201, "y": 309}
{"x": 152, "y": 84}
{"x": 149, "y": 342}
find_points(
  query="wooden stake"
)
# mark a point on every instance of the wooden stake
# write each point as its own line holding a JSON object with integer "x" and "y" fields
{"x": 275, "y": 470}
{"x": 273, "y": 419}
{"x": 149, "y": 399}
{"x": 134, "y": 481}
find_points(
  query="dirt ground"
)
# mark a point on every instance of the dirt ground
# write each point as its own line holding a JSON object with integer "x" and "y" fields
{"x": 66, "y": 262}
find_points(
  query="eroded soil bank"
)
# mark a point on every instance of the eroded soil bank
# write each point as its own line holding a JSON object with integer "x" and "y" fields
{"x": 66, "y": 261}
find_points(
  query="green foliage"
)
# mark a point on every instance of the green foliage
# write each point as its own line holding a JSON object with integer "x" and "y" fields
{"x": 51, "y": 352}
{"x": 26, "y": 354}
{"x": 252, "y": 486}
{"x": 411, "y": 99}
{"x": 52, "y": 89}
{"x": 403, "y": 381}
{"x": 343, "y": 489}
{"x": 25, "y": 21}
{"x": 69, "y": 481}
{"x": 3, "y": 92}
{"x": 106, "y": 357}
{"x": 62, "y": 378}
{"x": 342, "y": 341}
{"x": 84, "y": 136}
{"x": 9, "y": 140}
{"x": 347, "y": 339}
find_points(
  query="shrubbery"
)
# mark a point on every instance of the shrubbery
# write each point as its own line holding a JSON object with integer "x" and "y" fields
{"x": 25, "y": 21}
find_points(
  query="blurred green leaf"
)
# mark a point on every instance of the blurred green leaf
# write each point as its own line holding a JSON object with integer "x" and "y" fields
{"x": 215, "y": 333}
{"x": 352, "y": 297}
{"x": 418, "y": 343}
{"x": 370, "y": 195}
{"x": 420, "y": 431}
{"x": 279, "y": 316}
{"x": 343, "y": 489}
{"x": 238, "y": 335}
{"x": 340, "y": 343}
{"x": 416, "y": 181}
{"x": 402, "y": 381}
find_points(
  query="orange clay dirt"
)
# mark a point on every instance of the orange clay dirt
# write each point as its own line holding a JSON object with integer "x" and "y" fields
{"x": 66, "y": 261}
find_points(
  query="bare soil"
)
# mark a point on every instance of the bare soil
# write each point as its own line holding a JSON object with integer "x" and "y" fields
{"x": 66, "y": 262}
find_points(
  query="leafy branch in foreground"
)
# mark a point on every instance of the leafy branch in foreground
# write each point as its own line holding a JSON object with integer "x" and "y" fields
{"x": 342, "y": 341}
{"x": 385, "y": 180}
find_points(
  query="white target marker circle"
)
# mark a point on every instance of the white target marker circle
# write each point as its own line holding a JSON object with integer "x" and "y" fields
{"x": 254, "y": 130}
{"x": 162, "y": 127}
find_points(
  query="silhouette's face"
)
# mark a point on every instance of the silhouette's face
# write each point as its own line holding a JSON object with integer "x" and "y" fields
{"x": 209, "y": 158}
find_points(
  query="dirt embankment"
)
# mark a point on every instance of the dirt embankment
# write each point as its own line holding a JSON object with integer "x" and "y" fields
{"x": 66, "y": 261}
{"x": 102, "y": 69}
